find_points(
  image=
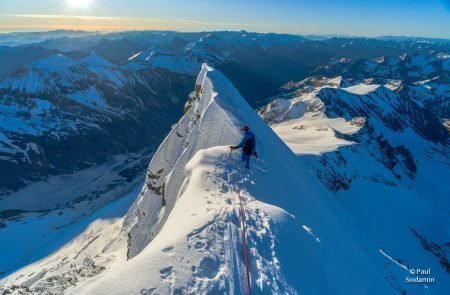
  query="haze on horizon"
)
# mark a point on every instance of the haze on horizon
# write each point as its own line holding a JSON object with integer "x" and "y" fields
{"x": 426, "y": 18}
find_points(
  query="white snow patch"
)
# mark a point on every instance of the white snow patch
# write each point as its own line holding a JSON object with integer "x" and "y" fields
{"x": 309, "y": 231}
{"x": 361, "y": 88}
{"x": 90, "y": 97}
{"x": 393, "y": 260}
{"x": 134, "y": 56}
{"x": 313, "y": 134}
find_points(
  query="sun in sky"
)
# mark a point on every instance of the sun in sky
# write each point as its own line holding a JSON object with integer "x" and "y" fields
{"x": 345, "y": 17}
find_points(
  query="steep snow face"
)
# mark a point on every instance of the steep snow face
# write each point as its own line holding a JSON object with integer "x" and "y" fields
{"x": 178, "y": 56}
{"x": 185, "y": 235}
{"x": 384, "y": 156}
{"x": 166, "y": 171}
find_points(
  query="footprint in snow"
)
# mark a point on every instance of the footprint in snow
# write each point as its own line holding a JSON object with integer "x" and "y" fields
{"x": 201, "y": 244}
{"x": 147, "y": 291}
{"x": 168, "y": 250}
{"x": 209, "y": 267}
{"x": 166, "y": 272}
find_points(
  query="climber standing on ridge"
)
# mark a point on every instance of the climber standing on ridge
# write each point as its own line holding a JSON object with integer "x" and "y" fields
{"x": 247, "y": 145}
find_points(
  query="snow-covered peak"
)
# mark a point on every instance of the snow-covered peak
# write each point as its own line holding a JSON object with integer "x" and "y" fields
{"x": 184, "y": 228}
{"x": 183, "y": 231}
{"x": 60, "y": 62}
{"x": 54, "y": 62}
{"x": 96, "y": 60}
{"x": 361, "y": 88}
{"x": 318, "y": 116}
{"x": 175, "y": 60}
{"x": 315, "y": 83}
{"x": 213, "y": 120}
{"x": 134, "y": 56}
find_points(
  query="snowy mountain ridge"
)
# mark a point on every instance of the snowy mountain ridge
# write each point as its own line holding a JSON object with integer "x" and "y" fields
{"x": 203, "y": 255}
{"x": 63, "y": 89}
{"x": 184, "y": 231}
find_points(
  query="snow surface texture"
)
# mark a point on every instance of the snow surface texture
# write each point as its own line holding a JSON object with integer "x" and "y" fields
{"x": 184, "y": 230}
{"x": 303, "y": 125}
{"x": 299, "y": 239}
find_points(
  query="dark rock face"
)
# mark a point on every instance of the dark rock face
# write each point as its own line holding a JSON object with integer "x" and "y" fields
{"x": 334, "y": 179}
{"x": 442, "y": 252}
{"x": 404, "y": 114}
{"x": 396, "y": 109}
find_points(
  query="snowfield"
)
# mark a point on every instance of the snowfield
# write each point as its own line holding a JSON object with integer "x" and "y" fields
{"x": 183, "y": 229}
{"x": 314, "y": 135}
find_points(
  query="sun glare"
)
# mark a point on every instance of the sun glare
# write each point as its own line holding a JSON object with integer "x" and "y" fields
{"x": 79, "y": 3}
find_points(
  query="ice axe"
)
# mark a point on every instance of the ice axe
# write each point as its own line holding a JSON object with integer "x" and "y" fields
{"x": 232, "y": 148}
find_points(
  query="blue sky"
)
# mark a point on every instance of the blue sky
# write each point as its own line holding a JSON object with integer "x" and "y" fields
{"x": 351, "y": 17}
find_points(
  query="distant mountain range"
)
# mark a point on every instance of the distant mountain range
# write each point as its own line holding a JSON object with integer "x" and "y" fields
{"x": 21, "y": 38}
{"x": 353, "y": 138}
{"x": 94, "y": 92}
{"x": 351, "y": 176}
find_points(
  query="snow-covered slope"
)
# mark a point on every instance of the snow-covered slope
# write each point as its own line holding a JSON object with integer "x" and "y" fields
{"x": 383, "y": 154}
{"x": 185, "y": 235}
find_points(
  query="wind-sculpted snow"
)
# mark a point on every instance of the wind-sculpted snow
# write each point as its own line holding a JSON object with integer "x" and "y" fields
{"x": 199, "y": 248}
{"x": 185, "y": 235}
{"x": 183, "y": 232}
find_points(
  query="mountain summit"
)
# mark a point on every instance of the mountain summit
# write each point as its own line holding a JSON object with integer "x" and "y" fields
{"x": 183, "y": 234}
{"x": 184, "y": 229}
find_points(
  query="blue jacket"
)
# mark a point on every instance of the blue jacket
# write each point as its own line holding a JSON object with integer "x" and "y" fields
{"x": 248, "y": 143}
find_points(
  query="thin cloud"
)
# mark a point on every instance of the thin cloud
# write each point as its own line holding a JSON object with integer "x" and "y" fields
{"x": 228, "y": 24}
{"x": 58, "y": 16}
